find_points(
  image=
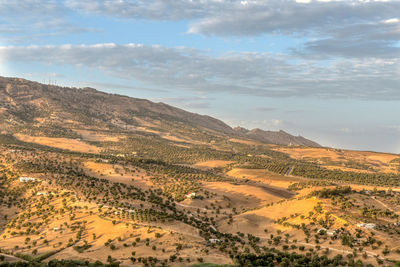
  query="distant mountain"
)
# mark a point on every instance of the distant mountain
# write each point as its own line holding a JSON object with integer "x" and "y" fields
{"x": 56, "y": 110}
{"x": 23, "y": 101}
{"x": 275, "y": 137}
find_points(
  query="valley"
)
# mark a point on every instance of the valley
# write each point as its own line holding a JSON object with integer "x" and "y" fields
{"x": 145, "y": 184}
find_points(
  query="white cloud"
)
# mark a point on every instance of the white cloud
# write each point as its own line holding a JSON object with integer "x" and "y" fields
{"x": 304, "y": 1}
{"x": 335, "y": 26}
{"x": 351, "y": 28}
{"x": 35, "y": 20}
{"x": 394, "y": 20}
{"x": 250, "y": 73}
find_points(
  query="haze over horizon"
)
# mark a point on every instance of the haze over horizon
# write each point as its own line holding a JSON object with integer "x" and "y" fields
{"x": 327, "y": 70}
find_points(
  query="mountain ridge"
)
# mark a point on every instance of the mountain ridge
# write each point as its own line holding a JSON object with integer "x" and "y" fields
{"x": 276, "y": 137}
{"x": 24, "y": 102}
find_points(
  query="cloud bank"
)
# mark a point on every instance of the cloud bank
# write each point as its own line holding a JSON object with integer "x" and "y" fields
{"x": 352, "y": 28}
{"x": 256, "y": 74}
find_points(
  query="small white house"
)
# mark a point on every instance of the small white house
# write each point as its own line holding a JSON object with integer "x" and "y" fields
{"x": 41, "y": 193}
{"x": 191, "y": 195}
{"x": 366, "y": 225}
{"x": 331, "y": 233}
{"x": 370, "y": 226}
{"x": 214, "y": 241}
{"x": 27, "y": 179}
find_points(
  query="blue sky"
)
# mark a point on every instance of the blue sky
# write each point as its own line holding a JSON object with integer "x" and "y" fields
{"x": 327, "y": 70}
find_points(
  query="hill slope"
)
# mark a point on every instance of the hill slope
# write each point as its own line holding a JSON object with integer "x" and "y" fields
{"x": 276, "y": 137}
{"x": 57, "y": 110}
{"x": 25, "y": 101}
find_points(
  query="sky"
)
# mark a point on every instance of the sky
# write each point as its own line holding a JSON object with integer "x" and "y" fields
{"x": 326, "y": 70}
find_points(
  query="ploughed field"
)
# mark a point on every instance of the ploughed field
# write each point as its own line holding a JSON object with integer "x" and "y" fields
{"x": 154, "y": 201}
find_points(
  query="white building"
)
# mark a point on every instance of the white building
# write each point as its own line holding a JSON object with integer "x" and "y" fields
{"x": 27, "y": 179}
{"x": 370, "y": 225}
{"x": 331, "y": 233}
{"x": 366, "y": 225}
{"x": 214, "y": 241}
{"x": 191, "y": 195}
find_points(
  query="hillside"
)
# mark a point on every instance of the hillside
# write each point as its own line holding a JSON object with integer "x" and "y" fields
{"x": 53, "y": 110}
{"x": 275, "y": 137}
{"x": 89, "y": 179}
{"x": 24, "y": 101}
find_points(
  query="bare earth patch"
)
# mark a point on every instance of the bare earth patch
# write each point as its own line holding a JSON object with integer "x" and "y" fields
{"x": 264, "y": 176}
{"x": 258, "y": 220}
{"x": 62, "y": 143}
{"x": 242, "y": 141}
{"x": 325, "y": 156}
{"x": 245, "y": 190}
{"x": 116, "y": 173}
{"x": 213, "y": 163}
